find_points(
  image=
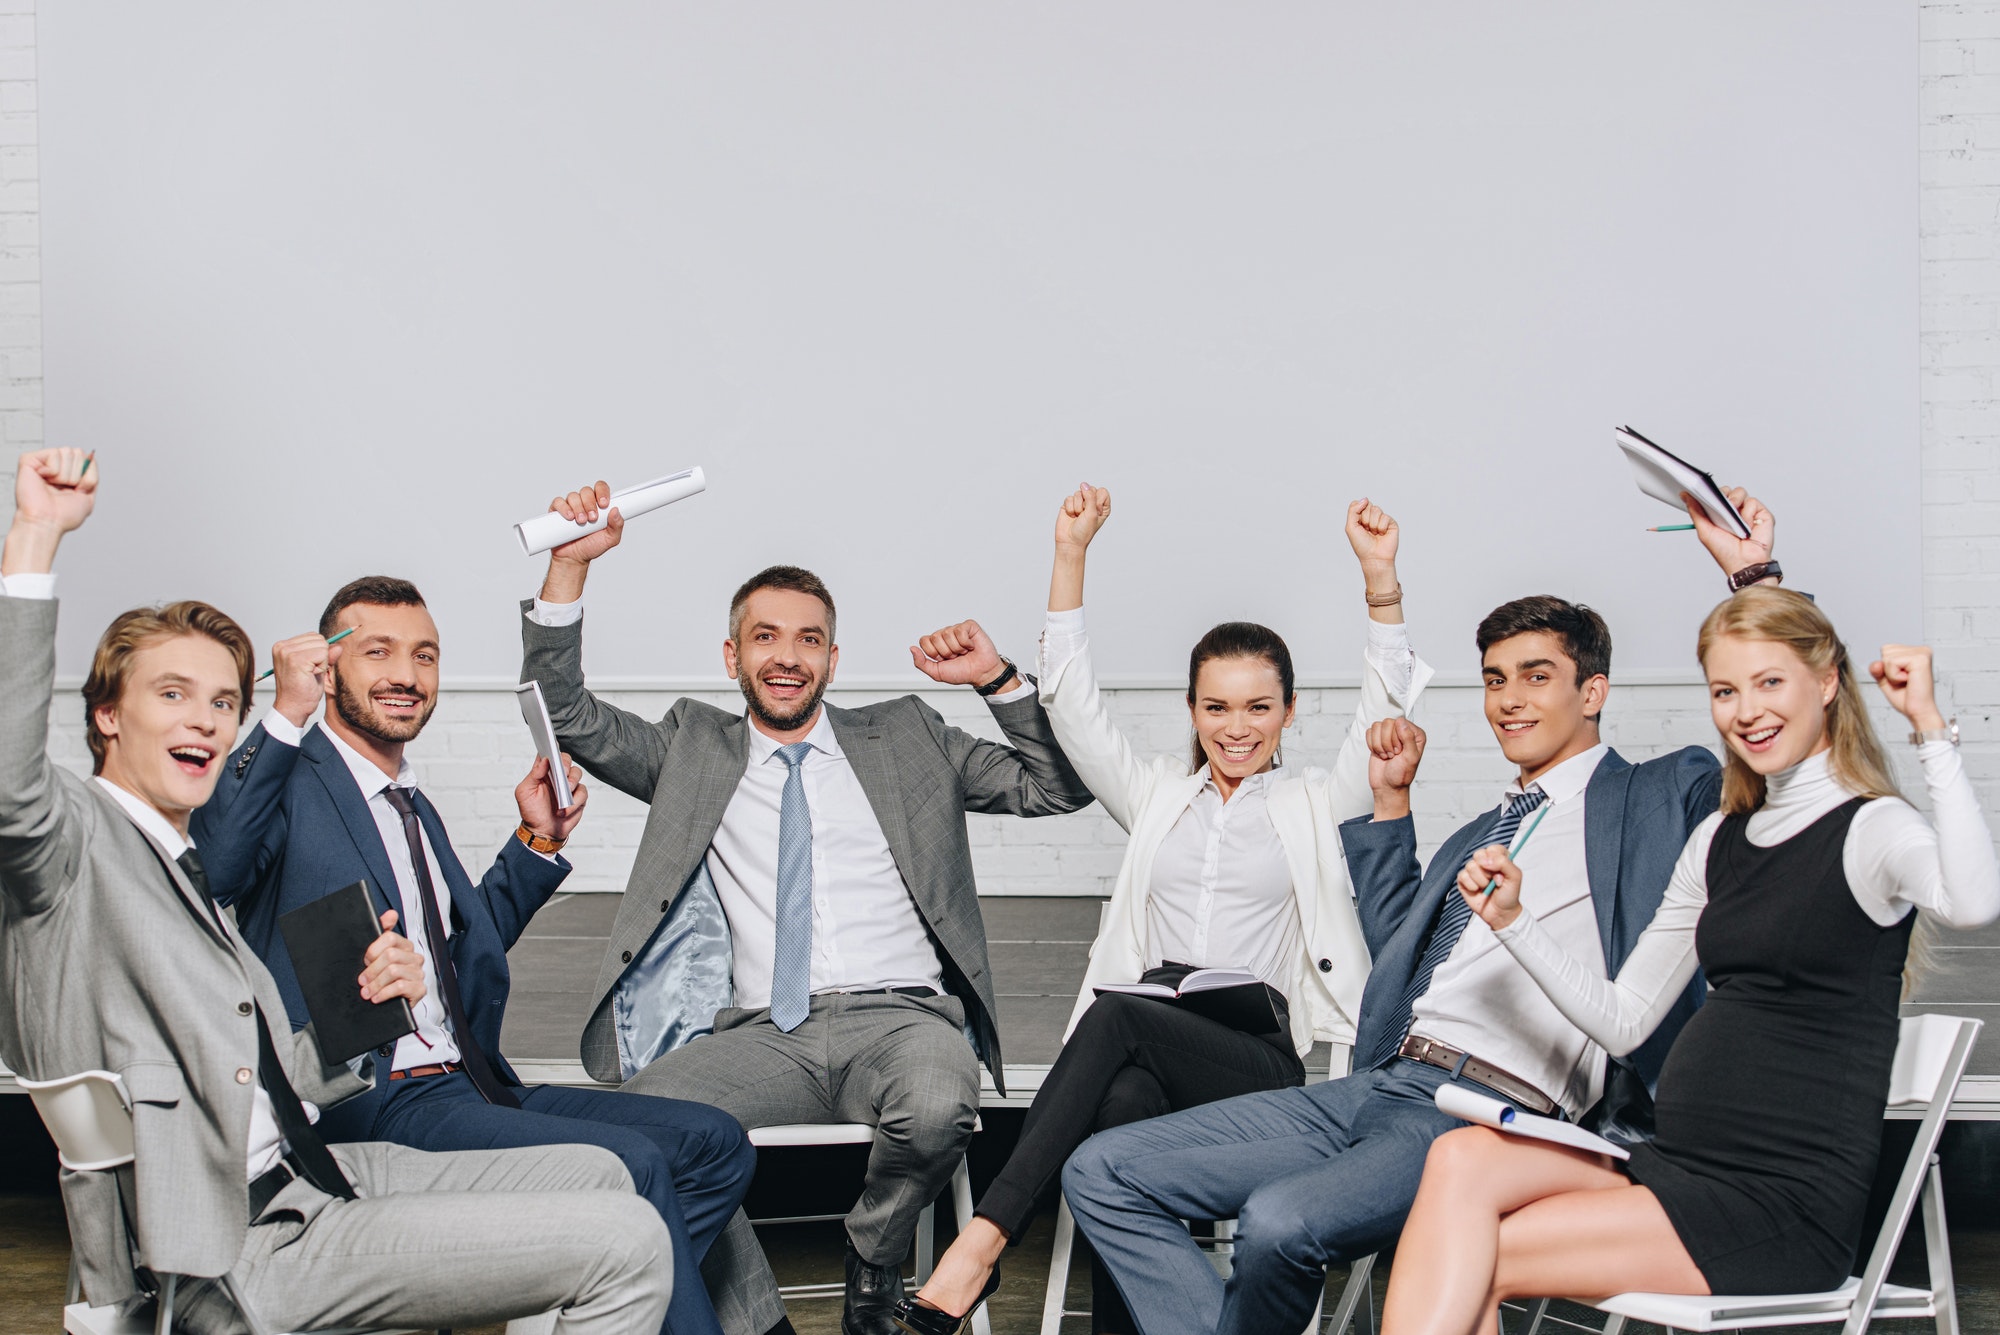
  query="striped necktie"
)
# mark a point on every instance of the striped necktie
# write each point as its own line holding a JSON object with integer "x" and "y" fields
{"x": 791, "y": 960}
{"x": 1452, "y": 916}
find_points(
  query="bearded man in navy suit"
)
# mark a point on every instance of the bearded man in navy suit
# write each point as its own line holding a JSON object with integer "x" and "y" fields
{"x": 300, "y": 812}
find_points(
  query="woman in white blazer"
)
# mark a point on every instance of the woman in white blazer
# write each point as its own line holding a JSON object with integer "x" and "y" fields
{"x": 1234, "y": 862}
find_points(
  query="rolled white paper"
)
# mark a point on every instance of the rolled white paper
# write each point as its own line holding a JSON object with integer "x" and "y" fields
{"x": 550, "y": 529}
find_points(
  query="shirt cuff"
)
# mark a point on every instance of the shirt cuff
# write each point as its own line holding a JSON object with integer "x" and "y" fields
{"x": 1021, "y": 692}
{"x": 40, "y": 586}
{"x": 1062, "y": 636}
{"x": 281, "y": 729}
{"x": 1390, "y": 652}
{"x": 556, "y": 614}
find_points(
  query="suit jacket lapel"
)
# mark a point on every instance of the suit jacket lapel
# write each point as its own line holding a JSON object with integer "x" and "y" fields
{"x": 457, "y": 883}
{"x": 867, "y": 748}
{"x": 1603, "y": 845}
{"x": 721, "y": 771}
{"x": 196, "y": 902}
{"x": 1292, "y": 818}
{"x": 346, "y": 797}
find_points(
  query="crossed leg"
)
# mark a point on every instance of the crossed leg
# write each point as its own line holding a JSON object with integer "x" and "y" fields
{"x": 1499, "y": 1217}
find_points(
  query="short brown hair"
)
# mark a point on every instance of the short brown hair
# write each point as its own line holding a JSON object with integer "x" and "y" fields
{"x": 374, "y": 590}
{"x": 132, "y": 631}
{"x": 793, "y": 579}
{"x": 1585, "y": 637}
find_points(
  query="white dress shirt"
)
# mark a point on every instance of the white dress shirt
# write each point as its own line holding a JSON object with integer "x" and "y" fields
{"x": 1227, "y": 856}
{"x": 1483, "y": 1002}
{"x": 432, "y": 1044}
{"x": 267, "y": 1143}
{"x": 867, "y": 933}
{"x": 1896, "y": 862}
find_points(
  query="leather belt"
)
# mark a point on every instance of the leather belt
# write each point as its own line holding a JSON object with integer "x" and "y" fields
{"x": 265, "y": 1187}
{"x": 417, "y": 1072}
{"x": 889, "y": 992}
{"x": 1433, "y": 1053}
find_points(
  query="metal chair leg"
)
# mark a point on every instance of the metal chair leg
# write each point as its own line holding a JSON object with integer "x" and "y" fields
{"x": 243, "y": 1308}
{"x": 163, "y": 1323}
{"x": 1937, "y": 1243}
{"x": 74, "y": 1289}
{"x": 1531, "y": 1320}
{"x": 1353, "y": 1296}
{"x": 926, "y": 1242}
{"x": 1059, "y": 1262}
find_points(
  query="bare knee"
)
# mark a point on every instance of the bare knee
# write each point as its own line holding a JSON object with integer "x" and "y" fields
{"x": 1460, "y": 1160}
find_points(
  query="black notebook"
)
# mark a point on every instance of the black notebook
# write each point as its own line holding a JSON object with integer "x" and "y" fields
{"x": 328, "y": 940}
{"x": 1234, "y": 997}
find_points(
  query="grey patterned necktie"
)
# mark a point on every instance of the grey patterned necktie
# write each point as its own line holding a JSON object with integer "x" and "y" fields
{"x": 1454, "y": 914}
{"x": 791, "y": 961}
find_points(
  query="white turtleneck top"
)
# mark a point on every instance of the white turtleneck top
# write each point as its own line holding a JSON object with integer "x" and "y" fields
{"x": 1895, "y": 861}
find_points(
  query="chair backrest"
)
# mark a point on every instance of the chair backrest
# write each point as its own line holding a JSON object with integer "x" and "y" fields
{"x": 1932, "y": 1052}
{"x": 88, "y": 1116}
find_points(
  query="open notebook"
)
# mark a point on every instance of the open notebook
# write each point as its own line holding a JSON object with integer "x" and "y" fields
{"x": 1484, "y": 1110}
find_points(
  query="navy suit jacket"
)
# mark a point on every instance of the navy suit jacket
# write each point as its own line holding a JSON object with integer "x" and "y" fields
{"x": 1637, "y": 818}
{"x": 288, "y": 825}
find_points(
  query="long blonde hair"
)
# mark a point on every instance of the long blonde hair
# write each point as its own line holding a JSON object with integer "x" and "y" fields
{"x": 1761, "y": 612}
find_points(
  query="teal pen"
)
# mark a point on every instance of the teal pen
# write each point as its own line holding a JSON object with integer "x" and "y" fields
{"x": 1672, "y": 528}
{"x": 330, "y": 642}
{"x": 1520, "y": 842}
{"x": 88, "y": 460}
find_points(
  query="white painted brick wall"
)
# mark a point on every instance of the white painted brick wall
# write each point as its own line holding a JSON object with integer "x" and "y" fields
{"x": 476, "y": 748}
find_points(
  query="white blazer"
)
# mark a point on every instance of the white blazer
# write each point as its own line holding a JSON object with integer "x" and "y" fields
{"x": 1307, "y": 806}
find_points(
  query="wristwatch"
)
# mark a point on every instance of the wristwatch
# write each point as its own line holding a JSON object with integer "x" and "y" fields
{"x": 1948, "y": 733}
{"x": 1749, "y": 575}
{"x": 541, "y": 843}
{"x": 1007, "y": 670}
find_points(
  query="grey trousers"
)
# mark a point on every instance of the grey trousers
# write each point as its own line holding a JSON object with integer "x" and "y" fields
{"x": 462, "y": 1239}
{"x": 900, "y": 1063}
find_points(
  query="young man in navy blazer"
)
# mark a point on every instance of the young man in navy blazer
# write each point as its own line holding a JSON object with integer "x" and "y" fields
{"x": 1327, "y": 1172}
{"x": 300, "y": 812}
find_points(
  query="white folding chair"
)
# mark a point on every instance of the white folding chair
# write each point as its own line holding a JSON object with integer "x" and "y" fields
{"x": 89, "y": 1116}
{"x": 804, "y": 1134}
{"x": 1931, "y": 1056}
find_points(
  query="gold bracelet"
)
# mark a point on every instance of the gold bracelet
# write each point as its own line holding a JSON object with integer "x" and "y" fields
{"x": 1384, "y": 599}
{"x": 541, "y": 843}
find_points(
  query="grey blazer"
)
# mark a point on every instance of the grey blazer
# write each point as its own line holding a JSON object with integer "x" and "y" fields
{"x": 109, "y": 961}
{"x": 921, "y": 776}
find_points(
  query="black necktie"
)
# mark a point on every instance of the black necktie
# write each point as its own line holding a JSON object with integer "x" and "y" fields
{"x": 484, "y": 1078}
{"x": 308, "y": 1152}
{"x": 190, "y": 864}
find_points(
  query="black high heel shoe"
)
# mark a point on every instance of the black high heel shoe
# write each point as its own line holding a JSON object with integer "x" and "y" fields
{"x": 920, "y": 1318}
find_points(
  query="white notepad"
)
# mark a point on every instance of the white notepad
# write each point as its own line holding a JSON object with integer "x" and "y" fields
{"x": 1664, "y": 476}
{"x": 550, "y": 529}
{"x": 1483, "y": 1110}
{"x": 535, "y": 713}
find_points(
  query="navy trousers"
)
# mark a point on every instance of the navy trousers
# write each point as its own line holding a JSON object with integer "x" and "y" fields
{"x": 1322, "y": 1173}
{"x": 693, "y": 1163}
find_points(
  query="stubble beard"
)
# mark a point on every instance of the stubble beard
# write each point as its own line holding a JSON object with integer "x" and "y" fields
{"x": 771, "y": 718}
{"x": 356, "y": 713}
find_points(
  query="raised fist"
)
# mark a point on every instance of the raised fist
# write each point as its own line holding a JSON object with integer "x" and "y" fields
{"x": 1083, "y": 513}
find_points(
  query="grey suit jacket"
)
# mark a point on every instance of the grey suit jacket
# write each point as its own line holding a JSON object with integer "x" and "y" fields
{"x": 921, "y": 776}
{"x": 109, "y": 961}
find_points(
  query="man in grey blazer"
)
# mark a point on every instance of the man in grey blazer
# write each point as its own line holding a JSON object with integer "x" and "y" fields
{"x": 802, "y": 904}
{"x": 114, "y": 957}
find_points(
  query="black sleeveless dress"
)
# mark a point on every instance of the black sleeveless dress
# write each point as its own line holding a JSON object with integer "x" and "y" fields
{"x": 1769, "y": 1109}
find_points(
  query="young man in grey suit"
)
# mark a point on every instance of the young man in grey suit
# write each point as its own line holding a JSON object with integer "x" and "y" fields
{"x": 802, "y": 902}
{"x": 114, "y": 957}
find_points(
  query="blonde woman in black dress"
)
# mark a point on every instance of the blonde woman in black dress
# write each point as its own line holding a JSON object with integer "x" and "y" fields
{"x": 1798, "y": 900}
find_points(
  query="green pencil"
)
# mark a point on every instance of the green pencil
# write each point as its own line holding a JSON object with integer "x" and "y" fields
{"x": 1520, "y": 842}
{"x": 1672, "y": 528}
{"x": 88, "y": 459}
{"x": 332, "y": 641}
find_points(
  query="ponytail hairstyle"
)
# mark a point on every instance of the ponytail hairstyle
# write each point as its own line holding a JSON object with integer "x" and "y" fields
{"x": 1761, "y": 612}
{"x": 1239, "y": 639}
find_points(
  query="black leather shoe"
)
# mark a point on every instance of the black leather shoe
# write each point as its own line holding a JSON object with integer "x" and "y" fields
{"x": 916, "y": 1317}
{"x": 872, "y": 1294}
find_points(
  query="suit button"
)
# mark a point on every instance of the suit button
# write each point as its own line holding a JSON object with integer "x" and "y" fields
{"x": 385, "y": 1050}
{"x": 626, "y": 958}
{"x": 1326, "y": 966}
{"x": 664, "y": 903}
{"x": 242, "y": 1008}
{"x": 242, "y": 1075}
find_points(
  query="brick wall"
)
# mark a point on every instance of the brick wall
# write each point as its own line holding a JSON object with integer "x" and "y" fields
{"x": 476, "y": 747}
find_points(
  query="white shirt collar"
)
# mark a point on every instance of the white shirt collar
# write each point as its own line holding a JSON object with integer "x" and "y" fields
{"x": 148, "y": 820}
{"x": 1250, "y": 783}
{"x": 763, "y": 746}
{"x": 1566, "y": 780}
{"x": 368, "y": 775}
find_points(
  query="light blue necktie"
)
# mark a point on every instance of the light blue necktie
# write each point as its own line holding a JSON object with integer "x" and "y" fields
{"x": 791, "y": 961}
